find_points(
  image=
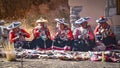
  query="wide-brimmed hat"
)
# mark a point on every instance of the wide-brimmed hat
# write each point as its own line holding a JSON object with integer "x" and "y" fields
{"x": 41, "y": 20}
{"x": 102, "y": 19}
{"x": 82, "y": 20}
{"x": 61, "y": 21}
{"x": 14, "y": 25}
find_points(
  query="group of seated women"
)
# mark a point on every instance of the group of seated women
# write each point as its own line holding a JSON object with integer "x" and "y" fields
{"x": 82, "y": 38}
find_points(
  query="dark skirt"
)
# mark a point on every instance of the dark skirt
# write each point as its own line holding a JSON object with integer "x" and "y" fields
{"x": 40, "y": 43}
{"x": 62, "y": 43}
{"x": 23, "y": 44}
{"x": 83, "y": 45}
{"x": 18, "y": 44}
{"x": 79, "y": 45}
{"x": 91, "y": 44}
{"x": 109, "y": 40}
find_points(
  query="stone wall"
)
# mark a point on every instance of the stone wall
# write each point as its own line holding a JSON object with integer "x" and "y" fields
{"x": 94, "y": 9}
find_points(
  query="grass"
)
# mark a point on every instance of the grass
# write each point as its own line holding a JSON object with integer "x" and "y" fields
{"x": 9, "y": 51}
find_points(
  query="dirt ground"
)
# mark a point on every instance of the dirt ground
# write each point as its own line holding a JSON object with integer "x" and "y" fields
{"x": 55, "y": 63}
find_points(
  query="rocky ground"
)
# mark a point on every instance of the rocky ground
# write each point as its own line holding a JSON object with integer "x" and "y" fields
{"x": 55, "y": 63}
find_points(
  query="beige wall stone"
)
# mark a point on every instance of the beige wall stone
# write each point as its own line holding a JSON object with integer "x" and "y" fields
{"x": 116, "y": 20}
{"x": 92, "y": 8}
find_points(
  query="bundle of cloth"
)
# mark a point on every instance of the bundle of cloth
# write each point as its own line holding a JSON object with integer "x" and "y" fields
{"x": 105, "y": 56}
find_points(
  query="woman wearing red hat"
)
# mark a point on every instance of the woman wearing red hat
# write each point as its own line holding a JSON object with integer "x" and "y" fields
{"x": 104, "y": 33}
{"x": 84, "y": 39}
{"x": 17, "y": 35}
{"x": 42, "y": 39}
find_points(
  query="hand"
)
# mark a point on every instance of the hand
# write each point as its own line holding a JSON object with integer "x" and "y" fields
{"x": 102, "y": 30}
{"x": 79, "y": 37}
{"x": 16, "y": 38}
{"x": 24, "y": 35}
{"x": 19, "y": 33}
{"x": 58, "y": 33}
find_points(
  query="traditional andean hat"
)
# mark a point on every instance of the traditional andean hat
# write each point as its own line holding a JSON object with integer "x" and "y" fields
{"x": 82, "y": 20}
{"x": 102, "y": 19}
{"x": 14, "y": 25}
{"x": 41, "y": 20}
{"x": 61, "y": 21}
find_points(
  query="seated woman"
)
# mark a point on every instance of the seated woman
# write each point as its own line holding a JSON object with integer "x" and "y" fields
{"x": 104, "y": 33}
{"x": 63, "y": 36}
{"x": 84, "y": 39}
{"x": 3, "y": 33}
{"x": 42, "y": 39}
{"x": 17, "y": 35}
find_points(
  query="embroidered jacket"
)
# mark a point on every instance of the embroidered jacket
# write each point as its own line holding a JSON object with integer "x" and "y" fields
{"x": 103, "y": 31}
{"x": 83, "y": 33}
{"x": 19, "y": 36}
{"x": 41, "y": 32}
{"x": 64, "y": 34}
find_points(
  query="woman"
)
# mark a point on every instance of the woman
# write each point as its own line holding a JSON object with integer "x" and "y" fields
{"x": 63, "y": 36}
{"x": 83, "y": 36}
{"x": 42, "y": 39}
{"x": 18, "y": 35}
{"x": 104, "y": 33}
{"x": 3, "y": 33}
